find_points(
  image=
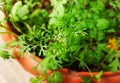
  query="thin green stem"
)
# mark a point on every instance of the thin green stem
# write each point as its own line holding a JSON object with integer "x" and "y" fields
{"x": 28, "y": 27}
{"x": 16, "y": 27}
{"x": 102, "y": 62}
{"x": 85, "y": 66}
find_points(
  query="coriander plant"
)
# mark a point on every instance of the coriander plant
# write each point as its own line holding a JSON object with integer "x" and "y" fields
{"x": 81, "y": 35}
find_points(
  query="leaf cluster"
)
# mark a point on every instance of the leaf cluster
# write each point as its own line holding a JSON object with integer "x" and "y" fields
{"x": 67, "y": 33}
{"x": 5, "y": 54}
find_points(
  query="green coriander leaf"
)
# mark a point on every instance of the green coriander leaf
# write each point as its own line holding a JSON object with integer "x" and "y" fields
{"x": 14, "y": 10}
{"x": 98, "y": 76}
{"x": 37, "y": 80}
{"x": 23, "y": 12}
{"x": 36, "y": 68}
{"x": 115, "y": 65}
{"x": 45, "y": 67}
{"x": 97, "y": 6}
{"x": 58, "y": 11}
{"x": 4, "y": 54}
{"x": 111, "y": 30}
{"x": 35, "y": 13}
{"x": 55, "y": 78}
{"x": 52, "y": 64}
{"x": 93, "y": 33}
{"x": 102, "y": 24}
{"x": 55, "y": 2}
{"x": 111, "y": 13}
{"x": 100, "y": 35}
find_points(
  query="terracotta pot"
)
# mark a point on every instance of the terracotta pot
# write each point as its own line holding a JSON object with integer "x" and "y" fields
{"x": 69, "y": 76}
